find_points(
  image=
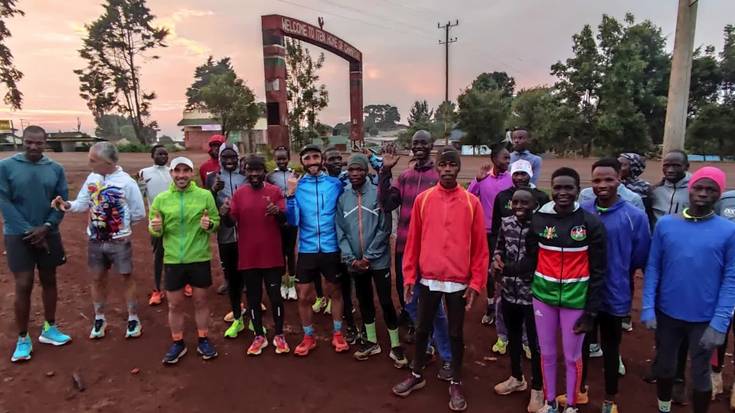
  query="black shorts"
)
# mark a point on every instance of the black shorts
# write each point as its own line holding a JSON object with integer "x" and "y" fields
{"x": 310, "y": 265}
{"x": 196, "y": 274}
{"x": 23, "y": 257}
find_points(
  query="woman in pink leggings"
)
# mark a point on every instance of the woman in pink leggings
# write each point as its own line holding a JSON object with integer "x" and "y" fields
{"x": 566, "y": 285}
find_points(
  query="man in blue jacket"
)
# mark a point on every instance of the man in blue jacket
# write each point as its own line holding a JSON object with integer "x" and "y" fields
{"x": 628, "y": 241}
{"x": 311, "y": 203}
{"x": 689, "y": 289}
{"x": 28, "y": 183}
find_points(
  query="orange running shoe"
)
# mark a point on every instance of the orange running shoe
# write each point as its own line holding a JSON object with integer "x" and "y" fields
{"x": 258, "y": 345}
{"x": 188, "y": 291}
{"x": 306, "y": 345}
{"x": 156, "y": 297}
{"x": 339, "y": 343}
{"x": 279, "y": 342}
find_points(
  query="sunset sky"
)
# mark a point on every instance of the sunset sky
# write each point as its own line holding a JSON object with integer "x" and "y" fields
{"x": 398, "y": 39}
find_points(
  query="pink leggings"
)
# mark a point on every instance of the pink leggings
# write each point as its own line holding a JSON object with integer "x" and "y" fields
{"x": 549, "y": 321}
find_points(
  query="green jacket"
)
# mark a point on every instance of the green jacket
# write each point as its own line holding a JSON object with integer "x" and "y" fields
{"x": 184, "y": 241}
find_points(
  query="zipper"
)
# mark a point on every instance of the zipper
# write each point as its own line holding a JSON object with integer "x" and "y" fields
{"x": 182, "y": 233}
{"x": 318, "y": 224}
{"x": 561, "y": 275}
{"x": 232, "y": 193}
{"x": 359, "y": 224}
{"x": 671, "y": 201}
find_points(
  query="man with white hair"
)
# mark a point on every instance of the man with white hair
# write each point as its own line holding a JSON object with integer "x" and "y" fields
{"x": 114, "y": 202}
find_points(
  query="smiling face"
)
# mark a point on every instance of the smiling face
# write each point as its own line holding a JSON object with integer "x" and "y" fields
{"x": 255, "y": 175}
{"x": 281, "y": 158}
{"x": 605, "y": 183}
{"x": 182, "y": 175}
{"x": 333, "y": 162}
{"x": 312, "y": 162}
{"x": 160, "y": 156}
{"x": 521, "y": 179}
{"x": 228, "y": 158}
{"x": 704, "y": 194}
{"x": 564, "y": 191}
{"x": 501, "y": 160}
{"x": 421, "y": 146}
{"x": 522, "y": 204}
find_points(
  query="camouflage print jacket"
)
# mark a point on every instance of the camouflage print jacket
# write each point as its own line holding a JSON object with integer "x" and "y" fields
{"x": 519, "y": 263}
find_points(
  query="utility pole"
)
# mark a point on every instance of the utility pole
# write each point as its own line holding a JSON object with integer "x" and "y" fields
{"x": 680, "y": 79}
{"x": 447, "y": 41}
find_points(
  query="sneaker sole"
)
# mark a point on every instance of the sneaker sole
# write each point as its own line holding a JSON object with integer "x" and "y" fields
{"x": 15, "y": 360}
{"x": 341, "y": 349}
{"x": 97, "y": 336}
{"x": 44, "y": 340}
{"x": 209, "y": 357}
{"x": 304, "y": 354}
{"x": 260, "y": 350}
{"x": 283, "y": 351}
{"x": 420, "y": 385}
{"x": 457, "y": 409}
{"x": 517, "y": 389}
{"x": 398, "y": 363}
{"x": 364, "y": 357}
{"x": 176, "y": 360}
{"x": 134, "y": 335}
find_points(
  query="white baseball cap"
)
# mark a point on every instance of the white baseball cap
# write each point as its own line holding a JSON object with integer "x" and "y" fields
{"x": 182, "y": 160}
{"x": 521, "y": 165}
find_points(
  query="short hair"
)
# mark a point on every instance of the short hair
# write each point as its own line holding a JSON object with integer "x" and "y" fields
{"x": 565, "y": 171}
{"x": 281, "y": 148}
{"x": 681, "y": 152}
{"x": 35, "y": 130}
{"x": 607, "y": 163}
{"x": 106, "y": 151}
{"x": 497, "y": 148}
{"x": 156, "y": 146}
{"x": 256, "y": 161}
{"x": 525, "y": 189}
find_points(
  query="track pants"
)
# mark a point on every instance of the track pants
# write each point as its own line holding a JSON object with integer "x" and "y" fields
{"x": 611, "y": 333}
{"x": 255, "y": 279}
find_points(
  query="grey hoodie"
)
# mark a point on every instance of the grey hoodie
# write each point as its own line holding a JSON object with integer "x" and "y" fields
{"x": 726, "y": 207}
{"x": 363, "y": 227}
{"x": 668, "y": 198}
{"x": 232, "y": 180}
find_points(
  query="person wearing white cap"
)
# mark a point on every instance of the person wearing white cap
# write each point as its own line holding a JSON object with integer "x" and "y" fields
{"x": 185, "y": 217}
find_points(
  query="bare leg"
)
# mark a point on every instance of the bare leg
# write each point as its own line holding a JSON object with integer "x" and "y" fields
{"x": 49, "y": 293}
{"x": 129, "y": 283}
{"x": 307, "y": 295}
{"x": 176, "y": 313}
{"x": 334, "y": 292}
{"x": 201, "y": 310}
{"x": 23, "y": 289}
{"x": 99, "y": 291}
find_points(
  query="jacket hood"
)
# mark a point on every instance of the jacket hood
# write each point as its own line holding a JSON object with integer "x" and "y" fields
{"x": 549, "y": 208}
{"x": 683, "y": 183}
{"x": 21, "y": 157}
{"x": 224, "y": 147}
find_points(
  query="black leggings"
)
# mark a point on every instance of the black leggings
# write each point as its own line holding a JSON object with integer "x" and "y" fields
{"x": 345, "y": 282}
{"x": 254, "y": 280}
{"x": 288, "y": 247}
{"x": 235, "y": 283}
{"x": 515, "y": 316}
{"x": 399, "y": 281}
{"x": 611, "y": 333}
{"x": 722, "y": 350}
{"x": 428, "y": 305}
{"x": 490, "y": 279}
{"x": 364, "y": 290}
{"x": 157, "y": 243}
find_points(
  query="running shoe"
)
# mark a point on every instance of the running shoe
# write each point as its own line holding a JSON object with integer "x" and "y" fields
{"x": 536, "y": 402}
{"x": 511, "y": 385}
{"x": 328, "y": 308}
{"x": 98, "y": 329}
{"x": 50, "y": 334}
{"x": 206, "y": 349}
{"x": 457, "y": 402}
{"x": 582, "y": 398}
{"x": 23, "y": 349}
{"x": 281, "y": 345}
{"x": 489, "y": 317}
{"x": 339, "y": 343}
{"x": 627, "y": 324}
{"x": 351, "y": 335}
{"x": 500, "y": 346}
{"x": 257, "y": 346}
{"x": 411, "y": 383}
{"x": 230, "y": 317}
{"x": 235, "y": 328}
{"x": 621, "y": 366}
{"x": 366, "y": 350}
{"x": 549, "y": 408}
{"x": 609, "y": 407}
{"x": 284, "y": 291}
{"x": 251, "y": 327}
{"x": 571, "y": 409}
{"x": 134, "y": 329}
{"x": 527, "y": 351}
{"x": 175, "y": 353}
{"x": 445, "y": 371}
{"x": 306, "y": 345}
{"x": 156, "y": 297}
{"x": 398, "y": 355}
{"x": 595, "y": 351}
{"x": 188, "y": 291}
{"x": 292, "y": 293}
{"x": 319, "y": 304}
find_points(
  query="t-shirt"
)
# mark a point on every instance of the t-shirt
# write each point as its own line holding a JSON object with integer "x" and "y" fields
{"x": 154, "y": 180}
{"x": 260, "y": 233}
{"x": 210, "y": 165}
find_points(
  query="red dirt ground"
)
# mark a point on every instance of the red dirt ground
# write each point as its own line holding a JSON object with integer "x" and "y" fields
{"x": 324, "y": 381}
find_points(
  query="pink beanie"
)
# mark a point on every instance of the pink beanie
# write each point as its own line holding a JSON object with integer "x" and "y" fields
{"x": 712, "y": 173}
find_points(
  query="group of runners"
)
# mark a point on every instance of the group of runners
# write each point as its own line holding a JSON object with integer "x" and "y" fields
{"x": 553, "y": 266}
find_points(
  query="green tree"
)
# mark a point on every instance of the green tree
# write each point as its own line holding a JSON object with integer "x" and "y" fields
{"x": 445, "y": 116}
{"x": 9, "y": 74}
{"x": 383, "y": 117}
{"x": 115, "y": 127}
{"x": 306, "y": 97}
{"x": 115, "y": 43}
{"x": 341, "y": 129}
{"x": 495, "y": 81}
{"x": 233, "y": 103}
{"x": 705, "y": 80}
{"x": 712, "y": 130}
{"x": 482, "y": 115}
{"x": 727, "y": 65}
{"x": 202, "y": 76}
{"x": 534, "y": 110}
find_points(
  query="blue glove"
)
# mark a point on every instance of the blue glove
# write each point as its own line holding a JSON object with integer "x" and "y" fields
{"x": 711, "y": 339}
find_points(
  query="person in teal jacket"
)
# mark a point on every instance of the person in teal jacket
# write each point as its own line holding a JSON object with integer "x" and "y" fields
{"x": 28, "y": 183}
{"x": 186, "y": 216}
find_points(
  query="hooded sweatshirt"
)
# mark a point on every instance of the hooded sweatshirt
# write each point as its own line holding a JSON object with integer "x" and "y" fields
{"x": 363, "y": 227}
{"x": 628, "y": 239}
{"x": 487, "y": 190}
{"x": 114, "y": 202}
{"x": 232, "y": 180}
{"x": 312, "y": 209}
{"x": 726, "y": 206}
{"x": 571, "y": 260}
{"x": 447, "y": 242}
{"x": 22, "y": 208}
{"x": 403, "y": 193}
{"x": 668, "y": 198}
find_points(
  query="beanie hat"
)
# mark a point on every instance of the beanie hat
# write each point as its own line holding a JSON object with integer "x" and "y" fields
{"x": 521, "y": 165}
{"x": 712, "y": 173}
{"x": 449, "y": 155}
{"x": 359, "y": 160}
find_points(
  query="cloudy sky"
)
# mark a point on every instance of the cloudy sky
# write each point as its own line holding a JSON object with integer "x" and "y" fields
{"x": 402, "y": 59}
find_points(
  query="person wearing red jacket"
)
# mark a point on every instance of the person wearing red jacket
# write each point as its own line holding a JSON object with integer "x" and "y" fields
{"x": 211, "y": 164}
{"x": 447, "y": 241}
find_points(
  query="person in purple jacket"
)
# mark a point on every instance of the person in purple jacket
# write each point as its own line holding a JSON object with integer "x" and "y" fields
{"x": 492, "y": 179}
{"x": 628, "y": 241}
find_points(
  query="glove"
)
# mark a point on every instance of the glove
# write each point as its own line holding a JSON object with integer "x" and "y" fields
{"x": 584, "y": 324}
{"x": 711, "y": 339}
{"x": 650, "y": 324}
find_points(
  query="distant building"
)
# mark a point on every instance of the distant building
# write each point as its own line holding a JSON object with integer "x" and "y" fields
{"x": 199, "y": 126}
{"x": 70, "y": 141}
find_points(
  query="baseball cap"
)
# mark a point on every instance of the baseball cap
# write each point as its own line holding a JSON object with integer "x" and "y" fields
{"x": 310, "y": 148}
{"x": 521, "y": 165}
{"x": 181, "y": 160}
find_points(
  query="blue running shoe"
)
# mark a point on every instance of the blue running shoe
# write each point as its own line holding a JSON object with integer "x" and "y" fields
{"x": 175, "y": 353}
{"x": 50, "y": 334}
{"x": 23, "y": 349}
{"x": 206, "y": 349}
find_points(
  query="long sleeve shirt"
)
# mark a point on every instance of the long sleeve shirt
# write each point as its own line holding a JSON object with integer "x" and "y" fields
{"x": 535, "y": 161}
{"x": 487, "y": 190}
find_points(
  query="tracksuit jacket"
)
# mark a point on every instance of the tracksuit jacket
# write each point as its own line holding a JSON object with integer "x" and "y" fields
{"x": 519, "y": 263}
{"x": 232, "y": 180}
{"x": 571, "y": 258}
{"x": 363, "y": 228}
{"x": 628, "y": 239}
{"x": 668, "y": 198}
{"x": 502, "y": 207}
{"x": 312, "y": 209}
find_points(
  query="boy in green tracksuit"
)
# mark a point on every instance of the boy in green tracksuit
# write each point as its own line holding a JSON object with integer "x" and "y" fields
{"x": 185, "y": 216}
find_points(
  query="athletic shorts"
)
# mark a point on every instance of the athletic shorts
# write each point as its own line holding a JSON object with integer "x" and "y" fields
{"x": 309, "y": 266}
{"x": 117, "y": 254}
{"x": 23, "y": 257}
{"x": 196, "y": 274}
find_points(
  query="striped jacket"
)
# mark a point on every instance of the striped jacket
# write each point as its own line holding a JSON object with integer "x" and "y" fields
{"x": 571, "y": 261}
